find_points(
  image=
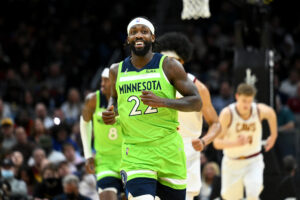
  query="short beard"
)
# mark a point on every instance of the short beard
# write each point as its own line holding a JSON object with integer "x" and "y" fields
{"x": 140, "y": 52}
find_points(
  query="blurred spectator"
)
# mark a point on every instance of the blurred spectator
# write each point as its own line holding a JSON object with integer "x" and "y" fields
{"x": 287, "y": 187}
{"x": 224, "y": 98}
{"x": 5, "y": 111}
{"x": 26, "y": 174}
{"x": 63, "y": 169}
{"x": 28, "y": 103}
{"x": 59, "y": 116}
{"x": 61, "y": 135}
{"x": 42, "y": 113}
{"x": 18, "y": 187}
{"x": 75, "y": 136}
{"x": 53, "y": 156}
{"x": 88, "y": 187}
{"x": 294, "y": 102}
{"x": 72, "y": 107}
{"x": 23, "y": 145}
{"x": 7, "y": 132}
{"x": 285, "y": 117}
{"x": 38, "y": 131}
{"x": 75, "y": 161}
{"x": 71, "y": 189}
{"x": 289, "y": 85}
{"x": 56, "y": 82}
{"x": 23, "y": 119}
{"x": 18, "y": 160}
{"x": 39, "y": 156}
{"x": 50, "y": 185}
{"x": 210, "y": 171}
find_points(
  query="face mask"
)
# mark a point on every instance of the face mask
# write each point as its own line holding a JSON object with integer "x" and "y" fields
{"x": 7, "y": 174}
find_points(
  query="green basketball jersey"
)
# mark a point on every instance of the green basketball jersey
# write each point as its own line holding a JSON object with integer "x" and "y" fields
{"x": 141, "y": 123}
{"x": 107, "y": 138}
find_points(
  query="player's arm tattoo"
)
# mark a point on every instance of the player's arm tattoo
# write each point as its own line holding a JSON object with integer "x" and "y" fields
{"x": 177, "y": 76}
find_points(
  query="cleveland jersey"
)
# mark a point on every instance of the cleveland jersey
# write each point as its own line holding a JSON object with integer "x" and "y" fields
{"x": 190, "y": 123}
{"x": 251, "y": 128}
{"x": 141, "y": 123}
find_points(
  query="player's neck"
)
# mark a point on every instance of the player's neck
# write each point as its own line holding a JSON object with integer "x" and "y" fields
{"x": 140, "y": 61}
{"x": 243, "y": 115}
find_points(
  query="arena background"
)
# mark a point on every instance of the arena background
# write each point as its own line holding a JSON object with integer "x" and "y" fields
{"x": 53, "y": 52}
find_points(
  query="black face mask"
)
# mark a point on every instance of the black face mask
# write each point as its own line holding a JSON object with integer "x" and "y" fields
{"x": 51, "y": 182}
{"x": 140, "y": 52}
{"x": 71, "y": 196}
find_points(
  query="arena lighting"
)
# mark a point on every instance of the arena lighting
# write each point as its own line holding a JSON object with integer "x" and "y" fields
{"x": 56, "y": 121}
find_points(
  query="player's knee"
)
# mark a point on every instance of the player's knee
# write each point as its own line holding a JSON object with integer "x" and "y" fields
{"x": 142, "y": 197}
{"x": 108, "y": 194}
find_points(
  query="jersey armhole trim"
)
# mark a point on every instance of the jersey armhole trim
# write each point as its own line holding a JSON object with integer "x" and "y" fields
{"x": 162, "y": 69}
{"x": 231, "y": 116}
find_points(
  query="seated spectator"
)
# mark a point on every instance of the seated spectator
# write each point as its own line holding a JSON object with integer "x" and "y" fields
{"x": 210, "y": 171}
{"x": 42, "y": 113}
{"x": 71, "y": 189}
{"x": 74, "y": 159}
{"x": 72, "y": 107}
{"x": 63, "y": 169}
{"x": 51, "y": 184}
{"x": 18, "y": 187}
{"x": 53, "y": 156}
{"x": 294, "y": 102}
{"x": 285, "y": 117}
{"x": 61, "y": 135}
{"x": 88, "y": 186}
{"x": 23, "y": 145}
{"x": 39, "y": 157}
{"x": 38, "y": 130}
{"x": 5, "y": 111}
{"x": 287, "y": 187}
{"x": 7, "y": 132}
{"x": 26, "y": 174}
{"x": 289, "y": 85}
{"x": 224, "y": 98}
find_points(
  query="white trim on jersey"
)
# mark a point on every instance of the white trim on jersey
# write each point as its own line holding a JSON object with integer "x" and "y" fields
{"x": 139, "y": 77}
{"x": 130, "y": 173}
{"x": 174, "y": 181}
{"x": 106, "y": 172}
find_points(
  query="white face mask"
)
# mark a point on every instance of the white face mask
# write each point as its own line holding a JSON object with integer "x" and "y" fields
{"x": 7, "y": 174}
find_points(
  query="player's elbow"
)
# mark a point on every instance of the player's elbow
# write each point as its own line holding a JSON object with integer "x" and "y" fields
{"x": 198, "y": 104}
{"x": 216, "y": 145}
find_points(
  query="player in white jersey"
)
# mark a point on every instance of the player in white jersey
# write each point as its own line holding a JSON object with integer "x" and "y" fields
{"x": 178, "y": 46}
{"x": 241, "y": 141}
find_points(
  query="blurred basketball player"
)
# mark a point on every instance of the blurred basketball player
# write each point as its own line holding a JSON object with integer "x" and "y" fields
{"x": 178, "y": 46}
{"x": 241, "y": 141}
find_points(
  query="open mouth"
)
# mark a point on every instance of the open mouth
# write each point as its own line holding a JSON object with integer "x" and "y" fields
{"x": 139, "y": 44}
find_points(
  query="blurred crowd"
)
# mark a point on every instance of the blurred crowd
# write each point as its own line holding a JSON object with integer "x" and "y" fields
{"x": 50, "y": 51}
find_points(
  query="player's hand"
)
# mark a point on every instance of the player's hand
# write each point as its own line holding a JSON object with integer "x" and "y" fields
{"x": 242, "y": 140}
{"x": 90, "y": 165}
{"x": 109, "y": 116}
{"x": 150, "y": 99}
{"x": 269, "y": 143}
{"x": 198, "y": 144}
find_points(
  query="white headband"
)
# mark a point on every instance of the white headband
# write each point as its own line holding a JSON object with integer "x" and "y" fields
{"x": 172, "y": 54}
{"x": 105, "y": 73}
{"x": 142, "y": 21}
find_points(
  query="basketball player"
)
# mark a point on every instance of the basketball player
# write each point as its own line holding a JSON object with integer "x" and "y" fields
{"x": 143, "y": 93}
{"x": 241, "y": 141}
{"x": 178, "y": 46}
{"x": 107, "y": 142}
